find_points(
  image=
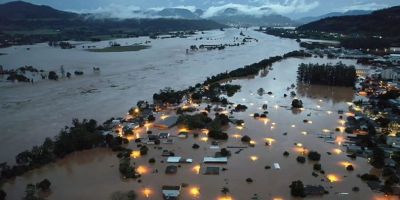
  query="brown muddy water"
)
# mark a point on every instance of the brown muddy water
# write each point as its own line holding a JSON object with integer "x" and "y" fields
{"x": 94, "y": 174}
{"x": 29, "y": 113}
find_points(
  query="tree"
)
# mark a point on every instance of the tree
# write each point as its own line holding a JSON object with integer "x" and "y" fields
{"x": 3, "y": 195}
{"x": 44, "y": 185}
{"x": 144, "y": 150}
{"x": 296, "y": 103}
{"x": 30, "y": 192}
{"x": 246, "y": 139}
{"x": 378, "y": 158}
{"x": 297, "y": 189}
{"x": 350, "y": 168}
{"x": 317, "y": 167}
{"x": 53, "y": 75}
{"x": 301, "y": 159}
{"x": 314, "y": 156}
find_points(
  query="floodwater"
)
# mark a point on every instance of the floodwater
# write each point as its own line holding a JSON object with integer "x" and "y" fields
{"x": 94, "y": 174}
{"x": 29, "y": 113}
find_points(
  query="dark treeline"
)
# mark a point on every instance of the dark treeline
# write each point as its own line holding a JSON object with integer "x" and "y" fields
{"x": 327, "y": 74}
{"x": 172, "y": 97}
{"x": 366, "y": 42}
{"x": 82, "y": 135}
{"x": 82, "y": 29}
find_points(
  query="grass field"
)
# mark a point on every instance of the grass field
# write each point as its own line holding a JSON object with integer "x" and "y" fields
{"x": 121, "y": 48}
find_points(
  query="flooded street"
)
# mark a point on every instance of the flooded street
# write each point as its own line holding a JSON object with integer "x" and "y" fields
{"x": 32, "y": 112}
{"x": 94, "y": 174}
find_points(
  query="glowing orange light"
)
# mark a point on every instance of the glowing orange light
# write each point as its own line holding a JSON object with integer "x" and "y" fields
{"x": 332, "y": 178}
{"x": 142, "y": 170}
{"x": 236, "y": 136}
{"x": 147, "y": 192}
{"x": 277, "y": 198}
{"x": 135, "y": 154}
{"x": 339, "y": 140}
{"x": 300, "y": 150}
{"x": 204, "y": 139}
{"x": 225, "y": 198}
{"x": 195, "y": 191}
{"x": 239, "y": 127}
{"x": 183, "y": 130}
{"x": 253, "y": 158}
{"x": 270, "y": 140}
{"x": 163, "y": 117}
{"x": 337, "y": 151}
{"x": 345, "y": 163}
{"x": 197, "y": 169}
{"x": 205, "y": 131}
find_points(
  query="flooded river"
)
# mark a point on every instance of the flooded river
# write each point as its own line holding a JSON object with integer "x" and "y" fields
{"x": 29, "y": 113}
{"x": 94, "y": 174}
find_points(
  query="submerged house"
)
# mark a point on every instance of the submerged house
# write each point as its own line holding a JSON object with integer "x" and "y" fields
{"x": 314, "y": 190}
{"x": 171, "y": 192}
{"x": 166, "y": 123}
{"x": 177, "y": 159}
{"x": 223, "y": 160}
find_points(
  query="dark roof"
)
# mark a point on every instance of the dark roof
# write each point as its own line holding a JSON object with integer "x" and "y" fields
{"x": 314, "y": 190}
{"x": 169, "y": 187}
{"x": 211, "y": 171}
{"x": 171, "y": 169}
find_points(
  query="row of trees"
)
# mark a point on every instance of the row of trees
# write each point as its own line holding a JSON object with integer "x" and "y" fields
{"x": 170, "y": 96}
{"x": 338, "y": 74}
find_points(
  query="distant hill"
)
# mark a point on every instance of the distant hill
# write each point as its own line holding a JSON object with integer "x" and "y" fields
{"x": 232, "y": 16}
{"x": 178, "y": 13}
{"x": 383, "y": 22}
{"x": 19, "y": 16}
{"x": 306, "y": 20}
{"x": 23, "y": 10}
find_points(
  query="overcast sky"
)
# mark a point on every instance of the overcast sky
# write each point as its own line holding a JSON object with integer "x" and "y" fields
{"x": 290, "y": 8}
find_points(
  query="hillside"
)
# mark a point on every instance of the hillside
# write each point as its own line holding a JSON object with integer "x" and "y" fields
{"x": 19, "y": 10}
{"x": 382, "y": 22}
{"x": 23, "y": 16}
{"x": 306, "y": 20}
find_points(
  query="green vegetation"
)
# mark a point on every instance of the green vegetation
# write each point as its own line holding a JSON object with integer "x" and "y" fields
{"x": 297, "y": 189}
{"x": 197, "y": 121}
{"x": 382, "y": 22}
{"x": 126, "y": 169}
{"x": 327, "y": 74}
{"x": 120, "y": 48}
{"x": 314, "y": 156}
{"x": 301, "y": 159}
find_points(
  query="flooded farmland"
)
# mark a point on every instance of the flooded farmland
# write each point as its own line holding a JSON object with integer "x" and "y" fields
{"x": 94, "y": 174}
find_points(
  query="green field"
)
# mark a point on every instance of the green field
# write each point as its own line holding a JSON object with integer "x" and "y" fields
{"x": 121, "y": 48}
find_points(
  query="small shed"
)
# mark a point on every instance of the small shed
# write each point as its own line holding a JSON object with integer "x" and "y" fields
{"x": 171, "y": 192}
